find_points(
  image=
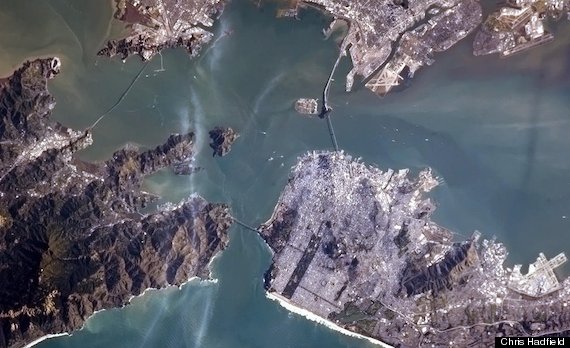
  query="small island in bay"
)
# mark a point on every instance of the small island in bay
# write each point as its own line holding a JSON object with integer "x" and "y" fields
{"x": 356, "y": 246}
{"x": 307, "y": 106}
{"x": 222, "y": 139}
{"x": 72, "y": 239}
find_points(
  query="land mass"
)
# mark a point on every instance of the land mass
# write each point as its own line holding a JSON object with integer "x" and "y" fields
{"x": 157, "y": 24}
{"x": 390, "y": 38}
{"x": 222, "y": 139}
{"x": 356, "y": 246}
{"x": 518, "y": 26}
{"x": 72, "y": 239}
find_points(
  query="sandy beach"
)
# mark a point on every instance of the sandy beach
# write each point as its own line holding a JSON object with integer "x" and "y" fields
{"x": 41, "y": 339}
{"x": 292, "y": 308}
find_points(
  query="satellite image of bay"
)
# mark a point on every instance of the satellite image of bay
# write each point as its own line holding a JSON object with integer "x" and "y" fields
{"x": 284, "y": 173}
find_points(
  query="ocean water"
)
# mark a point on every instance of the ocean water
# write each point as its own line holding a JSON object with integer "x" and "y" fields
{"x": 495, "y": 131}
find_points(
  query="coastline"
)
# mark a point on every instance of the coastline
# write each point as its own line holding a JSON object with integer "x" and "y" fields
{"x": 313, "y": 317}
{"x": 11, "y": 69}
{"x": 179, "y": 287}
{"x": 46, "y": 337}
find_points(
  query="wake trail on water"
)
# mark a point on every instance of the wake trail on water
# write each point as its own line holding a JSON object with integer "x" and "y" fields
{"x": 150, "y": 329}
{"x": 206, "y": 317}
{"x": 265, "y": 91}
{"x": 194, "y": 122}
{"x": 214, "y": 58}
{"x": 75, "y": 37}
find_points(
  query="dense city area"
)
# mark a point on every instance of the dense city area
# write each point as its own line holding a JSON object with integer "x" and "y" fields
{"x": 356, "y": 245}
{"x": 389, "y": 40}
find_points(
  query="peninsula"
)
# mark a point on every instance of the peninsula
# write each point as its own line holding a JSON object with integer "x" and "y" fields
{"x": 355, "y": 245}
{"x": 157, "y": 24}
{"x": 72, "y": 239}
{"x": 386, "y": 38}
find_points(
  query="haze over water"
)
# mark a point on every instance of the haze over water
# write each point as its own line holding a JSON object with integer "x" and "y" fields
{"x": 495, "y": 130}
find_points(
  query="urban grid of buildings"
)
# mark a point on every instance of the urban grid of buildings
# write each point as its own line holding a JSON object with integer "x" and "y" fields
{"x": 389, "y": 40}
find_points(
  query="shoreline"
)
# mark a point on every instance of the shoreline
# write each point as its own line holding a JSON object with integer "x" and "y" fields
{"x": 211, "y": 280}
{"x": 46, "y": 337}
{"x": 129, "y": 303}
{"x": 285, "y": 303}
{"x": 29, "y": 58}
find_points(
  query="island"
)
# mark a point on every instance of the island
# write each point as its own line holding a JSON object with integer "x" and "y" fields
{"x": 390, "y": 38}
{"x": 157, "y": 24}
{"x": 72, "y": 238}
{"x": 307, "y": 106}
{"x": 222, "y": 139}
{"x": 355, "y": 246}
